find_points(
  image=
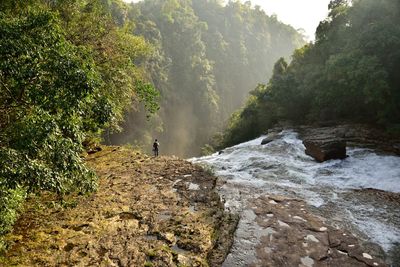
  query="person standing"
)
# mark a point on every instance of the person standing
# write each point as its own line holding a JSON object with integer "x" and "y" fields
{"x": 156, "y": 146}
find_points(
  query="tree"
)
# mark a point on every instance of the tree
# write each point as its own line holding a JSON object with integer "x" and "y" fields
{"x": 350, "y": 73}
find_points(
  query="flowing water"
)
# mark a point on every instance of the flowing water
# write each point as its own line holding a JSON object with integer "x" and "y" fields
{"x": 281, "y": 167}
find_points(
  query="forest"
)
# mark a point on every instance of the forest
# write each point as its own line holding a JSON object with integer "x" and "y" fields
{"x": 76, "y": 73}
{"x": 67, "y": 73}
{"x": 207, "y": 58}
{"x": 349, "y": 74}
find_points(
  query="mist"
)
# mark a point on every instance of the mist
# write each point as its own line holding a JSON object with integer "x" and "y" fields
{"x": 207, "y": 57}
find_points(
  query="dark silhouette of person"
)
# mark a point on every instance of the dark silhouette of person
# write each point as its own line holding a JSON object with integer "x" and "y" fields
{"x": 156, "y": 145}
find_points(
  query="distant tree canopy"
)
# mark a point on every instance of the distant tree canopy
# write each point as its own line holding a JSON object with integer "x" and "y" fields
{"x": 207, "y": 58}
{"x": 350, "y": 73}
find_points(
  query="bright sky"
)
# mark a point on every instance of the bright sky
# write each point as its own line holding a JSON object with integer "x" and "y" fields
{"x": 305, "y": 14}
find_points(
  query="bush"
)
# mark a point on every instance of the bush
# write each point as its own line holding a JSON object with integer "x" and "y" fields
{"x": 10, "y": 204}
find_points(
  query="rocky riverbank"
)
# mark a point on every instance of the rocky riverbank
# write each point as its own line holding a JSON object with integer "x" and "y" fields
{"x": 166, "y": 212}
{"x": 283, "y": 231}
{"x": 147, "y": 212}
{"x": 296, "y": 211}
{"x": 293, "y": 236}
{"x": 355, "y": 135}
{"x": 329, "y": 142}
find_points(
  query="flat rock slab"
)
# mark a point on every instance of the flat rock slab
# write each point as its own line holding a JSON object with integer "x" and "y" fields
{"x": 145, "y": 213}
{"x": 293, "y": 236}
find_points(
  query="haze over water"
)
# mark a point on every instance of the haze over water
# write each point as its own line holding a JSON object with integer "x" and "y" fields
{"x": 303, "y": 14}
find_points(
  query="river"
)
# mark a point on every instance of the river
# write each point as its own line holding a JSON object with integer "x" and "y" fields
{"x": 281, "y": 167}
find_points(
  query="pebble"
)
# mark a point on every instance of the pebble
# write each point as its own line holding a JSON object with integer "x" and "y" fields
{"x": 367, "y": 256}
{"x": 299, "y": 218}
{"x": 283, "y": 224}
{"x": 311, "y": 238}
{"x": 307, "y": 261}
{"x": 194, "y": 186}
{"x": 268, "y": 250}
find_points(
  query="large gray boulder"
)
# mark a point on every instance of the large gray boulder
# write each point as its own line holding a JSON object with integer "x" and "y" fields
{"x": 325, "y": 149}
{"x": 269, "y": 139}
{"x": 272, "y": 135}
{"x": 324, "y": 143}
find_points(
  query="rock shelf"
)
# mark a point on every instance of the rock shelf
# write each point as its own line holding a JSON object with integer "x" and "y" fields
{"x": 147, "y": 212}
{"x": 295, "y": 237}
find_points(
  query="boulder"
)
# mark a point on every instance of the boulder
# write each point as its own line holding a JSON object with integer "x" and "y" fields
{"x": 324, "y": 143}
{"x": 396, "y": 149}
{"x": 270, "y": 137}
{"x": 267, "y": 140}
{"x": 325, "y": 149}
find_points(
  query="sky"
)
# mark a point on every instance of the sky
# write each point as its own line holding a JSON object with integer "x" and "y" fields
{"x": 305, "y": 14}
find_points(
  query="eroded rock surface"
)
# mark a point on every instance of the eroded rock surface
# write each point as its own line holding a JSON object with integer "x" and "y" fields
{"x": 147, "y": 212}
{"x": 293, "y": 236}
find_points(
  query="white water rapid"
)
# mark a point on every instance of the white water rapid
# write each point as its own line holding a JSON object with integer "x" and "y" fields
{"x": 281, "y": 167}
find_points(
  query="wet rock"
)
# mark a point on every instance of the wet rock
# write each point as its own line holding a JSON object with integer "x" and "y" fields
{"x": 395, "y": 255}
{"x": 272, "y": 136}
{"x": 380, "y": 195}
{"x": 359, "y": 135}
{"x": 396, "y": 148}
{"x": 324, "y": 143}
{"x": 293, "y": 236}
{"x": 275, "y": 130}
{"x": 329, "y": 142}
{"x": 324, "y": 149}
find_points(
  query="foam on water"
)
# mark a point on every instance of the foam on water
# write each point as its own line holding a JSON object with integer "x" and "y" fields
{"x": 285, "y": 156}
{"x": 282, "y": 167}
{"x": 365, "y": 169}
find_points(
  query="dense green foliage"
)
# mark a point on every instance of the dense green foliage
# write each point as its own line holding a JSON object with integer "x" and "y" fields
{"x": 207, "y": 58}
{"x": 67, "y": 72}
{"x": 11, "y": 201}
{"x": 350, "y": 73}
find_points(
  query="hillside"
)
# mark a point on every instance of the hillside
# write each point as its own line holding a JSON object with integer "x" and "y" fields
{"x": 206, "y": 57}
{"x": 349, "y": 74}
